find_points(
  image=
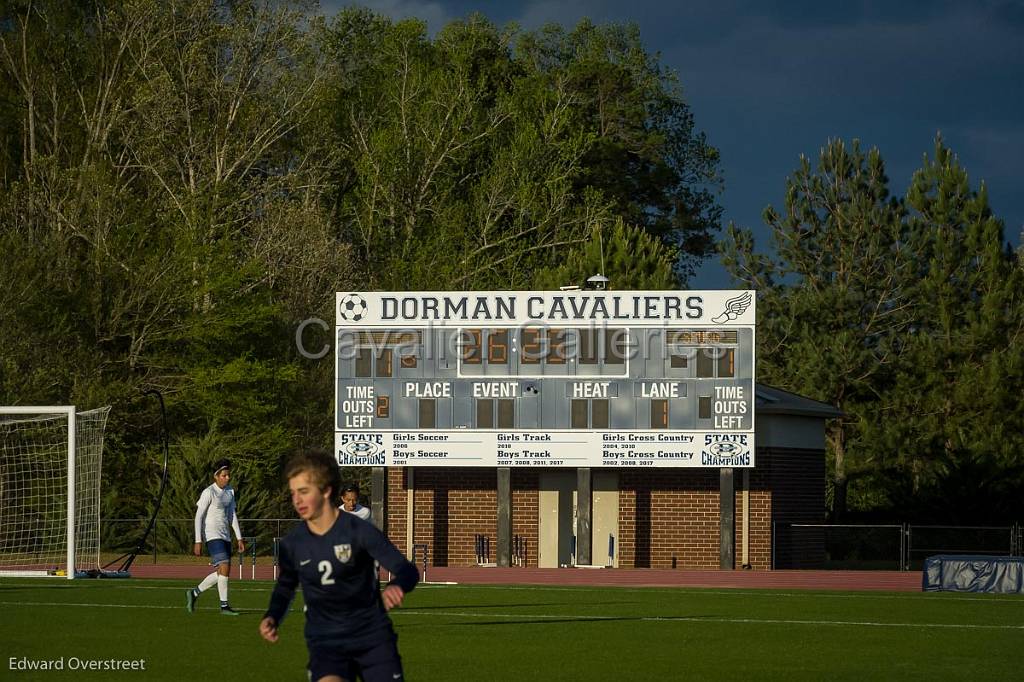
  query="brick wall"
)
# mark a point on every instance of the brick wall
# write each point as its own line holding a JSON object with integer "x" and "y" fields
{"x": 525, "y": 500}
{"x": 395, "y": 508}
{"x": 760, "y": 502}
{"x": 452, "y": 506}
{"x": 663, "y": 513}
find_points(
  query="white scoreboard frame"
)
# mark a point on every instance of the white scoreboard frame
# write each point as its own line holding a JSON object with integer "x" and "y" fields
{"x": 359, "y": 441}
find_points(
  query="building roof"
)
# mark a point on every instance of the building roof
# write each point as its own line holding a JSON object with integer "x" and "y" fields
{"x": 771, "y": 400}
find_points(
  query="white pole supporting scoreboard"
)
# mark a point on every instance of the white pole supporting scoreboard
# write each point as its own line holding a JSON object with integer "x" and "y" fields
{"x": 619, "y": 379}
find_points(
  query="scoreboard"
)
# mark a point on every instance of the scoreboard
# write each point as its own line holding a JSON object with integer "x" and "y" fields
{"x": 619, "y": 379}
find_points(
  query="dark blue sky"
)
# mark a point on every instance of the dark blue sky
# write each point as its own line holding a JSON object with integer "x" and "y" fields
{"x": 769, "y": 81}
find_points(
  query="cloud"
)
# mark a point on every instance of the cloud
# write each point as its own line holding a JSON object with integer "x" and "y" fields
{"x": 999, "y": 150}
{"x": 1010, "y": 14}
{"x": 770, "y": 80}
{"x": 434, "y": 14}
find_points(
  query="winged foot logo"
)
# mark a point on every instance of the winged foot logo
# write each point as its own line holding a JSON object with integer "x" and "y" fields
{"x": 734, "y": 307}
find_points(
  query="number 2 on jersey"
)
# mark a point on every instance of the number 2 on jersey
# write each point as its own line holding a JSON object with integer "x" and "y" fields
{"x": 325, "y": 568}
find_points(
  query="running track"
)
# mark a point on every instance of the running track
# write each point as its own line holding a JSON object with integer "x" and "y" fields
{"x": 909, "y": 581}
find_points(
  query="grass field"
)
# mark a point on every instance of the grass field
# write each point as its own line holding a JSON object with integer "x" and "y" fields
{"x": 528, "y": 633}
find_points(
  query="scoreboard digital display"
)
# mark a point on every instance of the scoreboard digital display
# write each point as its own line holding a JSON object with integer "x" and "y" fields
{"x": 545, "y": 379}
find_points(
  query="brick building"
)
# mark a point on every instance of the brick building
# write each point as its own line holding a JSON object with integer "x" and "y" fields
{"x": 652, "y": 518}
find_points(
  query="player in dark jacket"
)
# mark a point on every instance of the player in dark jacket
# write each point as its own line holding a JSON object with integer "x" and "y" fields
{"x": 348, "y": 631}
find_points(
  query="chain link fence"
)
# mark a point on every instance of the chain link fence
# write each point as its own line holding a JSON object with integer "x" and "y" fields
{"x": 893, "y": 547}
{"x": 794, "y": 545}
{"x": 172, "y": 539}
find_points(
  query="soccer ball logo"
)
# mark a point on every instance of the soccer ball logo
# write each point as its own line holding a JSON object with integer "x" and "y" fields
{"x": 725, "y": 449}
{"x": 361, "y": 448}
{"x": 352, "y": 308}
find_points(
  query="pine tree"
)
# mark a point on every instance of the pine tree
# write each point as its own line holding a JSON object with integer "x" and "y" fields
{"x": 960, "y": 431}
{"x": 830, "y": 298}
{"x": 906, "y": 314}
{"x": 628, "y": 255}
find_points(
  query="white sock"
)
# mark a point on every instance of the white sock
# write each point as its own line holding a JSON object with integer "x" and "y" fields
{"x": 222, "y": 588}
{"x": 208, "y": 582}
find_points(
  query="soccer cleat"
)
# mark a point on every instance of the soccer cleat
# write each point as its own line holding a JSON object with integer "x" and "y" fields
{"x": 228, "y": 611}
{"x": 190, "y": 600}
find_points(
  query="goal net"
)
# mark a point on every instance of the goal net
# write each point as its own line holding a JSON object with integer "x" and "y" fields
{"x": 50, "y": 465}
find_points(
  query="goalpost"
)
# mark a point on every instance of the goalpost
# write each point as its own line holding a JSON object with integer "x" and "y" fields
{"x": 50, "y": 466}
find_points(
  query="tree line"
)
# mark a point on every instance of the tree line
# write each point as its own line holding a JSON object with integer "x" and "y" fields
{"x": 907, "y": 313}
{"x": 185, "y": 181}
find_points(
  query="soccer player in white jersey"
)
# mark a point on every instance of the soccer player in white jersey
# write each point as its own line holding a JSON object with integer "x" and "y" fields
{"x": 215, "y": 515}
{"x": 350, "y": 503}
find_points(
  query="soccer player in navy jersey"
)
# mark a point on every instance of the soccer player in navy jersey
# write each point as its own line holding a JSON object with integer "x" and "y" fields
{"x": 332, "y": 555}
